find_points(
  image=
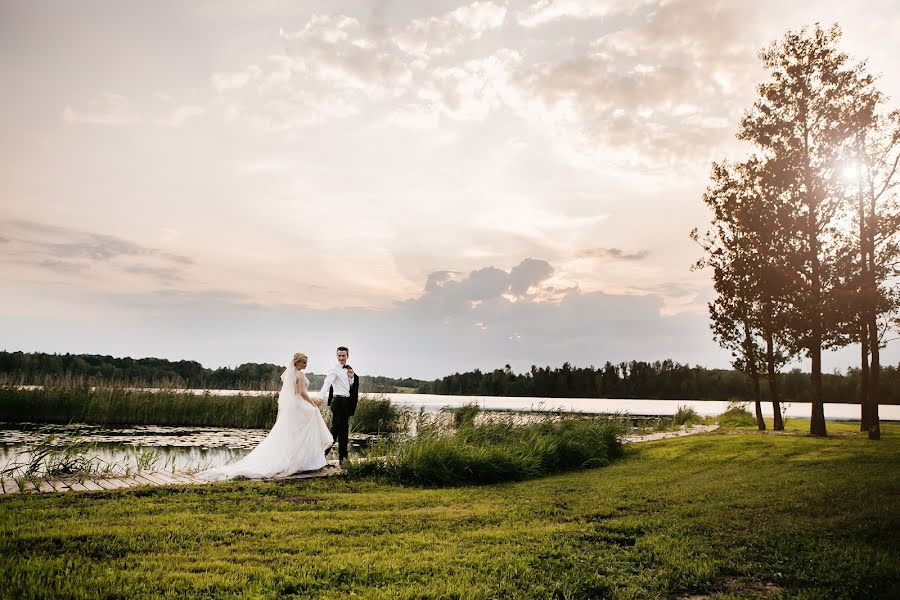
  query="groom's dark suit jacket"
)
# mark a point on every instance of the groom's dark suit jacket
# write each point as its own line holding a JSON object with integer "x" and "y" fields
{"x": 354, "y": 394}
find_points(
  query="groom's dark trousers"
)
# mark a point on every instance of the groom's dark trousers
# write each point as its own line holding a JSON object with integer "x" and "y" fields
{"x": 341, "y": 409}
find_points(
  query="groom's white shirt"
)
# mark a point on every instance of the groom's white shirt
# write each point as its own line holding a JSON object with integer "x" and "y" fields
{"x": 336, "y": 377}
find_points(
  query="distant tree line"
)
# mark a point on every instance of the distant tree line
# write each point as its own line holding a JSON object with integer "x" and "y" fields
{"x": 38, "y": 368}
{"x": 804, "y": 241}
{"x": 660, "y": 380}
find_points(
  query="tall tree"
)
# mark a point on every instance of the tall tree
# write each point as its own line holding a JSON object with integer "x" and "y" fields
{"x": 877, "y": 161}
{"x": 732, "y": 254}
{"x": 801, "y": 122}
{"x": 766, "y": 221}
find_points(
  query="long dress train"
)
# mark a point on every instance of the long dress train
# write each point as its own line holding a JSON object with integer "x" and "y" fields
{"x": 297, "y": 441}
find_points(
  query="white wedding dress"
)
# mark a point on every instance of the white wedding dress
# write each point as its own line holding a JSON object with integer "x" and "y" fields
{"x": 297, "y": 442}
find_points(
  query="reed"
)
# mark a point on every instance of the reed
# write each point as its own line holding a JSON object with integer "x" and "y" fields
{"x": 737, "y": 415}
{"x": 465, "y": 415}
{"x": 493, "y": 452}
{"x": 685, "y": 415}
{"x": 376, "y": 414}
{"x": 124, "y": 406}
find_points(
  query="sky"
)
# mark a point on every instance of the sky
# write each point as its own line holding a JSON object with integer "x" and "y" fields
{"x": 440, "y": 186}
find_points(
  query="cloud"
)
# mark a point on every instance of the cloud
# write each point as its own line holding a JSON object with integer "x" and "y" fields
{"x": 458, "y": 321}
{"x": 224, "y": 82}
{"x": 445, "y": 33}
{"x": 335, "y": 66}
{"x": 545, "y": 11}
{"x": 339, "y": 50}
{"x": 181, "y": 115}
{"x": 528, "y": 274}
{"x": 451, "y": 293}
{"x": 613, "y": 254}
{"x": 666, "y": 84}
{"x": 166, "y": 274}
{"x": 108, "y": 109}
{"x": 473, "y": 89}
{"x": 116, "y": 110}
{"x": 437, "y": 280}
{"x": 659, "y": 83}
{"x": 71, "y": 251}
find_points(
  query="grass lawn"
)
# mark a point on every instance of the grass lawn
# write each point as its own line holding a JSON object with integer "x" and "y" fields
{"x": 734, "y": 514}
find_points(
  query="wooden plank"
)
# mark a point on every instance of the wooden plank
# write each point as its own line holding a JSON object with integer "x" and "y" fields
{"x": 182, "y": 477}
{"x": 324, "y": 472}
{"x": 165, "y": 477}
{"x": 91, "y": 485}
{"x": 29, "y": 486}
{"x": 61, "y": 485}
{"x": 3, "y": 484}
{"x": 153, "y": 479}
{"x": 115, "y": 482}
{"x": 100, "y": 481}
{"x": 10, "y": 487}
{"x": 191, "y": 479}
{"x": 141, "y": 480}
{"x": 76, "y": 486}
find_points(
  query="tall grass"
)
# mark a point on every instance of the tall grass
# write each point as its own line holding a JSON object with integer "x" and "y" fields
{"x": 685, "y": 415}
{"x": 464, "y": 416}
{"x": 493, "y": 452}
{"x": 737, "y": 415}
{"x": 376, "y": 414}
{"x": 123, "y": 406}
{"x": 54, "y": 456}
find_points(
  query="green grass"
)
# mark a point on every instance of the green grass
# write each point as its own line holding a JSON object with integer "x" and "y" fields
{"x": 720, "y": 515}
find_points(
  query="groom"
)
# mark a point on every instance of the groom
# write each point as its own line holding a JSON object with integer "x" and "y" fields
{"x": 341, "y": 388}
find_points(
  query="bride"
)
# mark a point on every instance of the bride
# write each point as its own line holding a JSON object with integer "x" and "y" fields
{"x": 298, "y": 439}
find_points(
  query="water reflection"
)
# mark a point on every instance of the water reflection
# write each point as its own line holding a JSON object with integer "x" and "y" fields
{"x": 124, "y": 449}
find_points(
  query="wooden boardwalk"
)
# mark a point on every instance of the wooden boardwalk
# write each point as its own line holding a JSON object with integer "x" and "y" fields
{"x": 97, "y": 483}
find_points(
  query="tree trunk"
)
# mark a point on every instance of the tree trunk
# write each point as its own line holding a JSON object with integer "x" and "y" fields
{"x": 865, "y": 409}
{"x": 817, "y": 418}
{"x": 874, "y": 383}
{"x": 760, "y": 422}
{"x": 872, "y": 320}
{"x": 750, "y": 355}
{"x": 778, "y": 424}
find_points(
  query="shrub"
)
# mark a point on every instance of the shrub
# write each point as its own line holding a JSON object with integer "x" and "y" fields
{"x": 685, "y": 415}
{"x": 493, "y": 452}
{"x": 737, "y": 415}
{"x": 376, "y": 414}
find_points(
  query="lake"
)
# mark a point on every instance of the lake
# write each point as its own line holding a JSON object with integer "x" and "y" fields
{"x": 631, "y": 406}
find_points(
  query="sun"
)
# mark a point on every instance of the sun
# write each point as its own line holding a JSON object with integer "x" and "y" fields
{"x": 851, "y": 171}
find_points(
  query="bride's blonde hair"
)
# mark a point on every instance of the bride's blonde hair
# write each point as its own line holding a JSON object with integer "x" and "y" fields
{"x": 300, "y": 357}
